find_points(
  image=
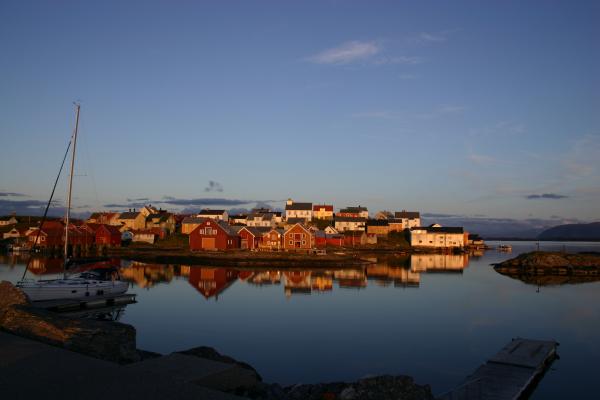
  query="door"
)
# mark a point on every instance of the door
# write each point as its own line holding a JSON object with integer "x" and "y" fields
{"x": 244, "y": 243}
{"x": 208, "y": 243}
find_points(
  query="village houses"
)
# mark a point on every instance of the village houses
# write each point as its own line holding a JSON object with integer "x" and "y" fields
{"x": 343, "y": 224}
{"x": 353, "y": 212}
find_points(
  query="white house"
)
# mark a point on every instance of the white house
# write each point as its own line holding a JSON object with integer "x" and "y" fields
{"x": 409, "y": 219}
{"x": 298, "y": 210}
{"x": 266, "y": 220}
{"x": 219, "y": 215}
{"x": 343, "y": 224}
{"x": 437, "y": 236}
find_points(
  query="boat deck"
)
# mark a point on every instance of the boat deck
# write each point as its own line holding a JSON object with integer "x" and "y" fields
{"x": 90, "y": 302}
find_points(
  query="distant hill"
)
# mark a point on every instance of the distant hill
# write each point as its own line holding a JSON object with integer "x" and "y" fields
{"x": 572, "y": 232}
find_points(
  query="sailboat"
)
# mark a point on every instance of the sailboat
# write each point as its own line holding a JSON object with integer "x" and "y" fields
{"x": 94, "y": 282}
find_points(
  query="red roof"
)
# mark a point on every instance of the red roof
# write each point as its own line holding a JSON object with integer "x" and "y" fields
{"x": 326, "y": 207}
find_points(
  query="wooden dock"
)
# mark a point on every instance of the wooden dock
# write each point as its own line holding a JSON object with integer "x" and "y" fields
{"x": 86, "y": 303}
{"x": 509, "y": 374}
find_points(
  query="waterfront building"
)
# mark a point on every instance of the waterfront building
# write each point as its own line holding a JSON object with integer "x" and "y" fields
{"x": 379, "y": 227}
{"x": 107, "y": 235}
{"x": 330, "y": 230}
{"x": 188, "y": 224}
{"x": 410, "y": 219}
{"x": 353, "y": 212}
{"x": 272, "y": 240}
{"x": 250, "y": 237}
{"x": 298, "y": 210}
{"x": 261, "y": 219}
{"x": 298, "y": 237}
{"x": 436, "y": 236}
{"x": 110, "y": 218}
{"x": 343, "y": 224}
{"x": 214, "y": 235}
{"x": 10, "y": 220}
{"x": 163, "y": 220}
{"x": 132, "y": 220}
{"x": 323, "y": 211}
{"x": 238, "y": 219}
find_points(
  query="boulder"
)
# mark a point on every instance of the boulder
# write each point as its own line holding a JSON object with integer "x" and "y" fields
{"x": 11, "y": 295}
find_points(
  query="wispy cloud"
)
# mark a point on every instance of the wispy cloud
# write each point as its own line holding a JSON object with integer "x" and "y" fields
{"x": 550, "y": 196}
{"x": 404, "y": 60}
{"x": 196, "y": 202}
{"x": 424, "y": 38}
{"x": 347, "y": 52}
{"x": 12, "y": 194}
{"x": 139, "y": 199}
{"x": 213, "y": 186}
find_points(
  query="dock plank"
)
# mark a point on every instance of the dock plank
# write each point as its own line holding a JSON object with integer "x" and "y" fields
{"x": 508, "y": 374}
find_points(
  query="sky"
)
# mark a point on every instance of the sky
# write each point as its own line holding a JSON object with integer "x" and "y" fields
{"x": 464, "y": 108}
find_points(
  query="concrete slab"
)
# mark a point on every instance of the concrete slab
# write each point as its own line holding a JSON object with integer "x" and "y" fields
{"x": 29, "y": 369}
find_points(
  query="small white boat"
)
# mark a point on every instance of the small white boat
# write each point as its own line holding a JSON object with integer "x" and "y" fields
{"x": 505, "y": 247}
{"x": 70, "y": 288}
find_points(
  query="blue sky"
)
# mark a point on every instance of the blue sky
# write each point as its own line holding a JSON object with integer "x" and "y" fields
{"x": 459, "y": 108}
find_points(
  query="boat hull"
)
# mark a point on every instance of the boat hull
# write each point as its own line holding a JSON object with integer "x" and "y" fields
{"x": 71, "y": 289}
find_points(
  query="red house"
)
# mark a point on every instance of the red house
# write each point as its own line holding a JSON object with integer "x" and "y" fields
{"x": 298, "y": 237}
{"x": 251, "y": 236}
{"x": 214, "y": 235}
{"x": 108, "y": 235}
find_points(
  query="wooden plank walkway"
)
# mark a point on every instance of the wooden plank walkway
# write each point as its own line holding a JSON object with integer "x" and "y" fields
{"x": 508, "y": 374}
{"x": 86, "y": 302}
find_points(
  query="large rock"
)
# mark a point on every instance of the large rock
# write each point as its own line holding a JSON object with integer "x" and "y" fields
{"x": 10, "y": 296}
{"x": 384, "y": 387}
{"x": 112, "y": 341}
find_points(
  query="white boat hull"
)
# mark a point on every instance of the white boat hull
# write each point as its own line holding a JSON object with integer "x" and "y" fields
{"x": 71, "y": 289}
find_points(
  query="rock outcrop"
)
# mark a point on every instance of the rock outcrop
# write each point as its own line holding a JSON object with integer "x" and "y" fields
{"x": 539, "y": 267}
{"x": 111, "y": 341}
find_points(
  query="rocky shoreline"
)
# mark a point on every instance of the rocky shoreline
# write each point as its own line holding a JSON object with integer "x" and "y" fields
{"x": 116, "y": 342}
{"x": 552, "y": 268}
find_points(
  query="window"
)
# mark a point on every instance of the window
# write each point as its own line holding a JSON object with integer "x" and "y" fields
{"x": 291, "y": 242}
{"x": 303, "y": 242}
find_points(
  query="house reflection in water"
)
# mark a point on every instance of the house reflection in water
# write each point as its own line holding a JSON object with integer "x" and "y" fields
{"x": 297, "y": 282}
{"x": 210, "y": 282}
{"x": 400, "y": 276}
{"x": 351, "y": 278}
{"x": 46, "y": 266}
{"x": 438, "y": 262}
{"x": 265, "y": 278}
{"x": 147, "y": 275}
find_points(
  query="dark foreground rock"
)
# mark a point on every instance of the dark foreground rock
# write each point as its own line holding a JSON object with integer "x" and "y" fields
{"x": 112, "y": 341}
{"x": 384, "y": 387}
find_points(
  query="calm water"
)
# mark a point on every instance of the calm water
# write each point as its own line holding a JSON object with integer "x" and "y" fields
{"x": 436, "y": 319}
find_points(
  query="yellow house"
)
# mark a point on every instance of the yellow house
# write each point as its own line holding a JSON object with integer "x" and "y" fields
{"x": 132, "y": 220}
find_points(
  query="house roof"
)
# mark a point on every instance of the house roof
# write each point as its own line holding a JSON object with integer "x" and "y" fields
{"x": 280, "y": 231}
{"x": 300, "y": 225}
{"x": 353, "y": 209}
{"x": 227, "y": 228}
{"x": 161, "y": 217}
{"x": 407, "y": 214}
{"x": 326, "y": 207}
{"x": 255, "y": 231}
{"x": 112, "y": 229}
{"x": 129, "y": 215}
{"x": 299, "y": 206}
{"x": 193, "y": 220}
{"x": 293, "y": 221}
{"x": 440, "y": 229}
{"x": 350, "y": 219}
{"x": 377, "y": 222}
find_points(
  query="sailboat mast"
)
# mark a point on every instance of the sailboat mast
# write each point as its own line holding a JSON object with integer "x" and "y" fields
{"x": 68, "y": 215}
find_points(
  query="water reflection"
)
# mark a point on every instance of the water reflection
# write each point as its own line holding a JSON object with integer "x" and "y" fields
{"x": 212, "y": 282}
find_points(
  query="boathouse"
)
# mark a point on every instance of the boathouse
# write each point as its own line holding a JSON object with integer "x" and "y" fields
{"x": 214, "y": 235}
